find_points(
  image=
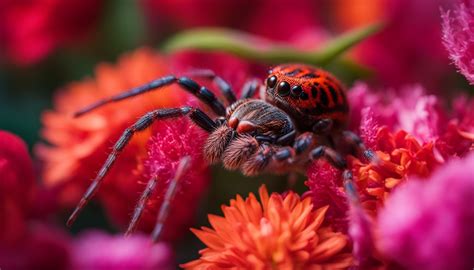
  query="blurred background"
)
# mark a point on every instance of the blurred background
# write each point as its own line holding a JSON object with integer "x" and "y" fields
{"x": 47, "y": 44}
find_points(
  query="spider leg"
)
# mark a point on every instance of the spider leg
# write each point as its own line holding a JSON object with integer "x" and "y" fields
{"x": 258, "y": 161}
{"x": 189, "y": 85}
{"x": 338, "y": 161}
{"x": 137, "y": 213}
{"x": 223, "y": 86}
{"x": 238, "y": 151}
{"x": 302, "y": 143}
{"x": 359, "y": 146}
{"x": 249, "y": 88}
{"x": 169, "y": 195}
{"x": 196, "y": 115}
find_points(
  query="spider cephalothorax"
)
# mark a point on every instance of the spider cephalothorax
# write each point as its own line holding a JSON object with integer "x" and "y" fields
{"x": 299, "y": 118}
{"x": 309, "y": 95}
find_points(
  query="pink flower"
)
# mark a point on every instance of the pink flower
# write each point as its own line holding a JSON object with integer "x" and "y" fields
{"x": 411, "y": 109}
{"x": 458, "y": 37}
{"x": 30, "y": 30}
{"x": 324, "y": 182}
{"x": 361, "y": 232}
{"x": 96, "y": 250}
{"x": 429, "y": 224}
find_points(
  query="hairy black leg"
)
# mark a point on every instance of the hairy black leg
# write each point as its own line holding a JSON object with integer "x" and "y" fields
{"x": 201, "y": 92}
{"x": 169, "y": 195}
{"x": 223, "y": 86}
{"x": 249, "y": 88}
{"x": 239, "y": 150}
{"x": 137, "y": 213}
{"x": 258, "y": 161}
{"x": 360, "y": 147}
{"x": 196, "y": 115}
{"x": 285, "y": 153}
{"x": 338, "y": 161}
{"x": 302, "y": 143}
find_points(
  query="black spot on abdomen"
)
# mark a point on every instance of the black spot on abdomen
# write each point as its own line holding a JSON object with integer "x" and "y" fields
{"x": 333, "y": 92}
{"x": 293, "y": 72}
{"x": 323, "y": 97}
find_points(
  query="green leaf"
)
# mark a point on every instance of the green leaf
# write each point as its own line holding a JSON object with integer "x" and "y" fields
{"x": 263, "y": 50}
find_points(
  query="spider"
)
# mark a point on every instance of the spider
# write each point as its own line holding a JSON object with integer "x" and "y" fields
{"x": 300, "y": 116}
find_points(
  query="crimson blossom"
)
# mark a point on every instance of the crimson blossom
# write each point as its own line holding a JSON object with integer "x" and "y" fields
{"x": 29, "y": 240}
{"x": 30, "y": 30}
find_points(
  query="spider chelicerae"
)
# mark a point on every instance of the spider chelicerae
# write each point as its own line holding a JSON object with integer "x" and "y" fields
{"x": 300, "y": 116}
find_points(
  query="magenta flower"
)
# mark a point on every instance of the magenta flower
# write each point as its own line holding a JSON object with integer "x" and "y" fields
{"x": 170, "y": 143}
{"x": 411, "y": 109}
{"x": 458, "y": 37}
{"x": 96, "y": 250}
{"x": 429, "y": 224}
{"x": 324, "y": 182}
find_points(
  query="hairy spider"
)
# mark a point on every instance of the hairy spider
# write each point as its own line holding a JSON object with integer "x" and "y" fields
{"x": 301, "y": 116}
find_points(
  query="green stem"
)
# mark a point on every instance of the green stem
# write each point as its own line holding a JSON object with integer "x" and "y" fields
{"x": 262, "y": 50}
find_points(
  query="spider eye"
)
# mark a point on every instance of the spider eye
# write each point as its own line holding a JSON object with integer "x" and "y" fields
{"x": 271, "y": 81}
{"x": 283, "y": 89}
{"x": 296, "y": 90}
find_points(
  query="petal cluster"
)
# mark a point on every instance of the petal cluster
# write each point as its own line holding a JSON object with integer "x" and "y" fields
{"x": 283, "y": 232}
{"x": 458, "y": 37}
{"x": 426, "y": 144}
{"x": 437, "y": 233}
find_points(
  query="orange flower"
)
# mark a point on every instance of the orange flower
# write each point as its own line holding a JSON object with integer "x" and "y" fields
{"x": 281, "y": 232}
{"x": 83, "y": 142}
{"x": 402, "y": 156}
{"x": 79, "y": 146}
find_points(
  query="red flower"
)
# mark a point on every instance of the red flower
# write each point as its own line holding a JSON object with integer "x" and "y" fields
{"x": 410, "y": 59}
{"x": 27, "y": 241}
{"x": 24, "y": 244}
{"x": 17, "y": 187}
{"x": 30, "y": 30}
{"x": 276, "y": 19}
